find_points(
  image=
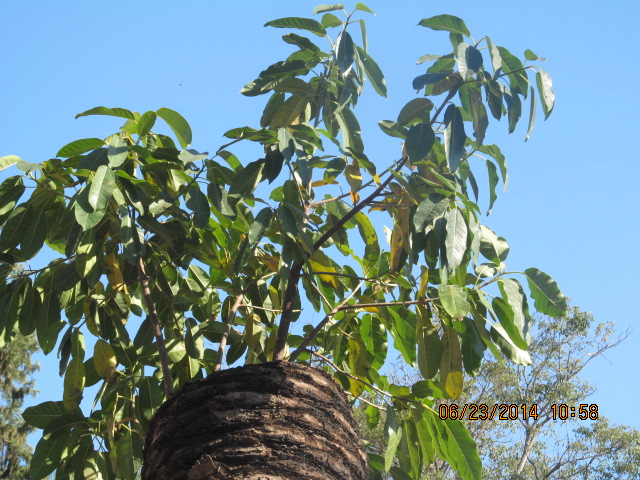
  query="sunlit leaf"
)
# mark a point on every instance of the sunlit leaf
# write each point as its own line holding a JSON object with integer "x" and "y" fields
{"x": 454, "y": 300}
{"x": 448, "y": 23}
{"x": 178, "y": 124}
{"x": 300, "y": 23}
{"x": 79, "y": 146}
{"x": 547, "y": 97}
{"x": 548, "y": 298}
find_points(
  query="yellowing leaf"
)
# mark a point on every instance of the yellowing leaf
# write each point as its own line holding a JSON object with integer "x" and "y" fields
{"x": 424, "y": 280}
{"x": 397, "y": 243}
{"x": 270, "y": 261}
{"x": 451, "y": 363}
{"x": 74, "y": 380}
{"x": 368, "y": 299}
{"x": 114, "y": 274}
{"x": 90, "y": 320}
{"x": 358, "y": 364}
{"x": 330, "y": 279}
{"x": 104, "y": 359}
{"x": 354, "y": 179}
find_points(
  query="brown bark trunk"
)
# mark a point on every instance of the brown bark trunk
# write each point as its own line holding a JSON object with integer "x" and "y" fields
{"x": 273, "y": 421}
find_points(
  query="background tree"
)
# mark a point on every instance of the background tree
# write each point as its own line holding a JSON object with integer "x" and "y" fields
{"x": 161, "y": 247}
{"x": 16, "y": 374}
{"x": 545, "y": 447}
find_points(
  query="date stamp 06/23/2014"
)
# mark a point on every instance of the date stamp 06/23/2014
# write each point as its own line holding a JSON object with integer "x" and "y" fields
{"x": 504, "y": 411}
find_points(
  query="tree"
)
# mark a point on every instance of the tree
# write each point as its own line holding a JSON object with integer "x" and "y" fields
{"x": 16, "y": 371}
{"x": 564, "y": 436}
{"x": 161, "y": 248}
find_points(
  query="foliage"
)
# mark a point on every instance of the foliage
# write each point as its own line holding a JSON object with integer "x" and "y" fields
{"x": 16, "y": 372}
{"x": 543, "y": 446}
{"x": 164, "y": 251}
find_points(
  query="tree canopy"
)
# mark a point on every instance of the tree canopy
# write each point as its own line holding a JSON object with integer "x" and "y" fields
{"x": 171, "y": 262}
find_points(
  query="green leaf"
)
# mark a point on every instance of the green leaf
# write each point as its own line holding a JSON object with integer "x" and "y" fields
{"x": 8, "y": 160}
{"x": 448, "y": 23}
{"x": 495, "y": 152}
{"x": 178, "y": 124}
{"x": 416, "y": 109}
{"x": 299, "y": 23}
{"x": 199, "y": 205}
{"x": 420, "y": 139}
{"x": 513, "y": 293}
{"x": 478, "y": 115}
{"x": 130, "y": 238}
{"x": 454, "y": 300}
{"x": 428, "y": 210}
{"x": 146, "y": 123}
{"x": 496, "y": 59}
{"x": 101, "y": 189}
{"x": 454, "y": 136}
{"x": 74, "y": 381}
{"x": 48, "y": 454}
{"x": 518, "y": 80}
{"x": 247, "y": 181}
{"x": 429, "y": 345}
{"x": 456, "y": 241}
{"x": 514, "y": 109}
{"x": 14, "y": 227}
{"x": 529, "y": 55}
{"x": 505, "y": 315}
{"x": 114, "y": 112}
{"x": 85, "y": 215}
{"x": 117, "y": 151}
{"x": 294, "y": 85}
{"x": 493, "y": 183}
{"x": 370, "y": 238}
{"x": 547, "y": 97}
{"x": 327, "y": 8}
{"x": 78, "y": 147}
{"x": 469, "y": 60}
{"x": 507, "y": 347}
{"x": 11, "y": 189}
{"x": 345, "y": 55}
{"x": 393, "y": 434}
{"x": 39, "y": 416}
{"x": 462, "y": 450}
{"x": 532, "y": 113}
{"x": 493, "y": 248}
{"x": 363, "y": 8}
{"x": 374, "y": 73}
{"x": 260, "y": 225}
{"x": 34, "y": 233}
{"x": 451, "y": 363}
{"x": 289, "y": 112}
{"x": 548, "y": 299}
{"x": 27, "y": 319}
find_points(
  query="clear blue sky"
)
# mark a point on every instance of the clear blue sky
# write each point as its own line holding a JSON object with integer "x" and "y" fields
{"x": 571, "y": 207}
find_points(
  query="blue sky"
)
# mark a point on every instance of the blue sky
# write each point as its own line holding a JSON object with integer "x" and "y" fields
{"x": 571, "y": 206}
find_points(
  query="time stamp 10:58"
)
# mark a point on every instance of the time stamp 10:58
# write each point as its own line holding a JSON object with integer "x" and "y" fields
{"x": 483, "y": 411}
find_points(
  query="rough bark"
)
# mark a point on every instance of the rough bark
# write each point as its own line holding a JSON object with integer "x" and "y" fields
{"x": 272, "y": 421}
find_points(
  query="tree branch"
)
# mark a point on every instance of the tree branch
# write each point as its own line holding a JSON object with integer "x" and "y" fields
{"x": 225, "y": 334}
{"x": 167, "y": 378}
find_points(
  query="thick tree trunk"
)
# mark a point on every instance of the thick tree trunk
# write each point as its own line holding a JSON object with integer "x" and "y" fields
{"x": 273, "y": 421}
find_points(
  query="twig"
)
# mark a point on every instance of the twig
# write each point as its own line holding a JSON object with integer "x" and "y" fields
{"x": 358, "y": 379}
{"x": 322, "y": 323}
{"x": 225, "y": 335}
{"x": 167, "y": 378}
{"x": 386, "y": 304}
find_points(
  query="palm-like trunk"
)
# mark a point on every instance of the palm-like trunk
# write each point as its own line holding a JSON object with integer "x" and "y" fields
{"x": 273, "y": 421}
